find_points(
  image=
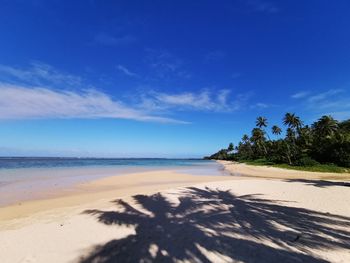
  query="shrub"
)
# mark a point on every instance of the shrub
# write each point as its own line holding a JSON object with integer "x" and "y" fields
{"x": 306, "y": 161}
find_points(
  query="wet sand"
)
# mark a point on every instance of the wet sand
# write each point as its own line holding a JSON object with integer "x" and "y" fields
{"x": 21, "y": 185}
{"x": 105, "y": 188}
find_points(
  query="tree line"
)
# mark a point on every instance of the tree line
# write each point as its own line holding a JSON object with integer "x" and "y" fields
{"x": 326, "y": 141}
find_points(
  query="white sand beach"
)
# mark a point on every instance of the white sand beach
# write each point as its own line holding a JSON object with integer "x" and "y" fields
{"x": 242, "y": 169}
{"x": 170, "y": 217}
{"x": 174, "y": 131}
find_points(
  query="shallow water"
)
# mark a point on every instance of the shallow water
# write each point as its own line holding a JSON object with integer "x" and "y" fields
{"x": 28, "y": 178}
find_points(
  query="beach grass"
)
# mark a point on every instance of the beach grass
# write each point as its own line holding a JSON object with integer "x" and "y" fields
{"x": 324, "y": 168}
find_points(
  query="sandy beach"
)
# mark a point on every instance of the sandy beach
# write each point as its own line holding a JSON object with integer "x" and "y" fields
{"x": 169, "y": 216}
{"x": 174, "y": 131}
{"x": 279, "y": 173}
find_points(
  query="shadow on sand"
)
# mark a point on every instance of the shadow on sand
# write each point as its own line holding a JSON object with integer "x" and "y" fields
{"x": 208, "y": 225}
{"x": 319, "y": 183}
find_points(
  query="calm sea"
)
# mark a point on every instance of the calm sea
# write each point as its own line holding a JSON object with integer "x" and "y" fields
{"x": 25, "y": 162}
{"x": 25, "y": 178}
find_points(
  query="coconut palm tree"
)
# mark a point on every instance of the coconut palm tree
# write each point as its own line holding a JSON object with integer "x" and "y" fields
{"x": 326, "y": 126}
{"x": 261, "y": 122}
{"x": 245, "y": 138}
{"x": 246, "y": 142}
{"x": 325, "y": 141}
{"x": 230, "y": 147}
{"x": 276, "y": 130}
{"x": 290, "y": 134}
{"x": 292, "y": 121}
{"x": 258, "y": 138}
{"x": 258, "y": 135}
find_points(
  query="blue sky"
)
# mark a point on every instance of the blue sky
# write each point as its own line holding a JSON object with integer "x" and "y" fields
{"x": 164, "y": 78}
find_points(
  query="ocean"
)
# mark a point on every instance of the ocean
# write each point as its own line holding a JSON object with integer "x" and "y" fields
{"x": 22, "y": 178}
{"x": 51, "y": 162}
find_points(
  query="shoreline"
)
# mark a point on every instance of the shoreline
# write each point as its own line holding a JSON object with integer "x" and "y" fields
{"x": 29, "y": 184}
{"x": 240, "y": 218}
{"x": 105, "y": 188}
{"x": 146, "y": 182}
{"x": 268, "y": 172}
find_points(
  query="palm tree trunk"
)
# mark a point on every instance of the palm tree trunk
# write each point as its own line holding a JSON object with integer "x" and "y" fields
{"x": 264, "y": 147}
{"x": 288, "y": 154}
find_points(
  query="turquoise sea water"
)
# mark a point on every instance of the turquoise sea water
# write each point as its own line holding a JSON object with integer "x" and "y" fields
{"x": 24, "y": 162}
{"x": 28, "y": 178}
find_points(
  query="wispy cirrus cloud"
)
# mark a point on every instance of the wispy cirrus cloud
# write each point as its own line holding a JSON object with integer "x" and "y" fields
{"x": 43, "y": 92}
{"x": 205, "y": 100}
{"x": 335, "y": 102}
{"x": 38, "y": 73}
{"x": 199, "y": 101}
{"x": 126, "y": 71}
{"x": 18, "y": 102}
{"x": 324, "y": 95}
{"x": 260, "y": 105}
{"x": 300, "y": 94}
{"x": 40, "y": 92}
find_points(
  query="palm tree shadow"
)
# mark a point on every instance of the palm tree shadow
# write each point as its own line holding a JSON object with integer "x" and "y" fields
{"x": 213, "y": 225}
{"x": 319, "y": 183}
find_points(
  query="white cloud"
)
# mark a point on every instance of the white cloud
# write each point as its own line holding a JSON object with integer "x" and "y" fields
{"x": 324, "y": 95}
{"x": 197, "y": 101}
{"x": 126, "y": 71}
{"x": 41, "y": 92}
{"x": 259, "y": 105}
{"x": 222, "y": 97}
{"x": 200, "y": 101}
{"x": 299, "y": 95}
{"x": 333, "y": 102}
{"x": 18, "y": 102}
{"x": 38, "y": 74}
{"x": 339, "y": 115}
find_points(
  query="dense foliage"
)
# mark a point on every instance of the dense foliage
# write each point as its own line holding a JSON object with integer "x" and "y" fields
{"x": 326, "y": 141}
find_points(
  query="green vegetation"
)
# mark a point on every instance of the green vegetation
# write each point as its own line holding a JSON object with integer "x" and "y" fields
{"x": 326, "y": 168}
{"x": 323, "y": 147}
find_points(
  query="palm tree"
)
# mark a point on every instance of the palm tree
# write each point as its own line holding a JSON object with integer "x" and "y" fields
{"x": 290, "y": 134}
{"x": 325, "y": 126}
{"x": 245, "y": 138}
{"x": 258, "y": 137}
{"x": 244, "y": 148}
{"x": 261, "y": 122}
{"x": 292, "y": 121}
{"x": 276, "y": 130}
{"x": 230, "y": 147}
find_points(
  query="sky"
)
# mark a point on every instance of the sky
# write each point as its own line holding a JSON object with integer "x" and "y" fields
{"x": 164, "y": 78}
